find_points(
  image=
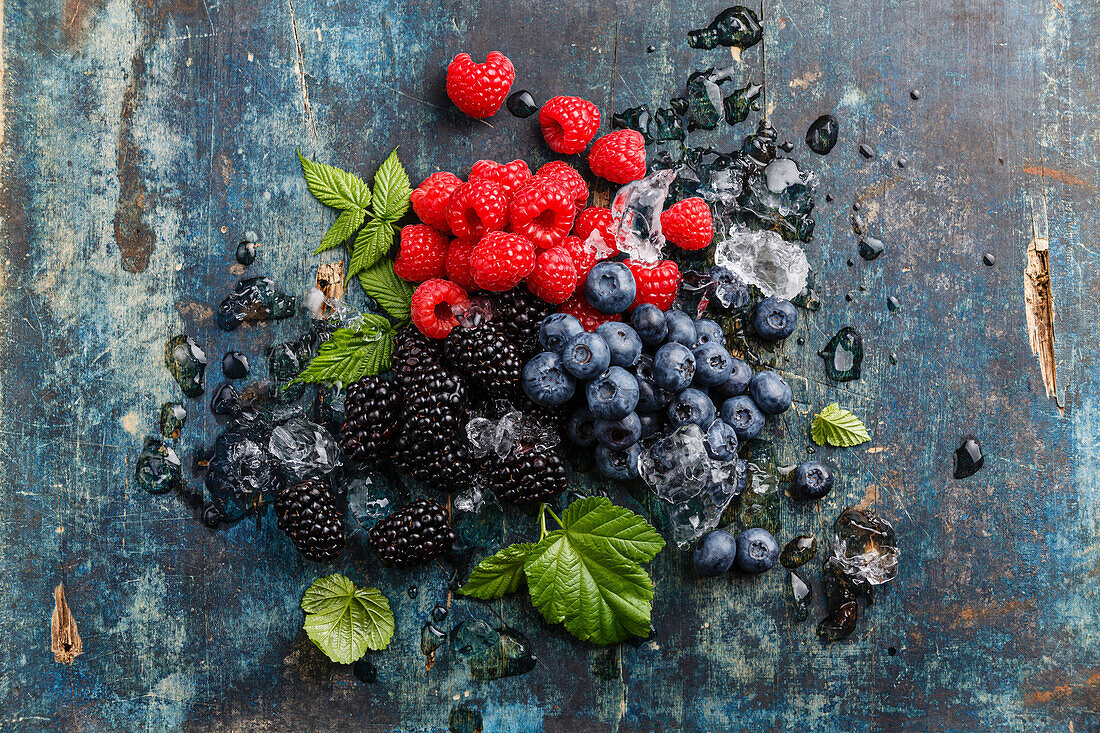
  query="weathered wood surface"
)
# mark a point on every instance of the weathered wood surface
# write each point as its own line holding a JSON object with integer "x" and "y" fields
{"x": 141, "y": 139}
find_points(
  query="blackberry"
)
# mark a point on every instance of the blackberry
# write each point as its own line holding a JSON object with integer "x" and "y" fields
{"x": 434, "y": 401}
{"x": 372, "y": 418}
{"x": 530, "y": 477}
{"x": 519, "y": 314}
{"x": 492, "y": 362}
{"x": 413, "y": 352}
{"x": 307, "y": 513}
{"x": 412, "y": 535}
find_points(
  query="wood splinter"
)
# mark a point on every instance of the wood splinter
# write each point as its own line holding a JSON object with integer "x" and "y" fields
{"x": 64, "y": 638}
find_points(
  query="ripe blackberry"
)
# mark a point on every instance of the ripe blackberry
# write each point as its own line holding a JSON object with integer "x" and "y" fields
{"x": 518, "y": 314}
{"x": 482, "y": 353}
{"x": 372, "y": 418}
{"x": 434, "y": 402}
{"x": 412, "y": 535}
{"x": 307, "y": 513}
{"x": 530, "y": 477}
{"x": 414, "y": 350}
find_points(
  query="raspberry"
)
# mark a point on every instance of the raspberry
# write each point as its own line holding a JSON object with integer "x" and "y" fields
{"x": 656, "y": 283}
{"x": 618, "y": 156}
{"x": 422, "y": 253}
{"x": 568, "y": 124}
{"x": 477, "y": 207}
{"x": 431, "y": 307}
{"x": 457, "y": 263}
{"x": 596, "y": 218}
{"x": 688, "y": 224}
{"x": 510, "y": 175}
{"x": 583, "y": 256}
{"x": 500, "y": 260}
{"x": 480, "y": 89}
{"x": 589, "y": 317}
{"x": 542, "y": 211}
{"x": 554, "y": 278}
{"x": 432, "y": 197}
{"x": 567, "y": 174}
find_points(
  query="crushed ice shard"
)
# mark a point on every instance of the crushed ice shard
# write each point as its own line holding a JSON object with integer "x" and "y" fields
{"x": 637, "y": 216}
{"x": 303, "y": 449}
{"x": 865, "y": 547}
{"x": 766, "y": 260}
{"x": 255, "y": 299}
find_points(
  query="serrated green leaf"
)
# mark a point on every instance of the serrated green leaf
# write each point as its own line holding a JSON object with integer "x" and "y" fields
{"x": 392, "y": 190}
{"x": 498, "y": 574}
{"x": 374, "y": 240}
{"x": 838, "y": 427}
{"x": 390, "y": 292}
{"x": 342, "y": 229}
{"x": 344, "y": 621}
{"x": 596, "y": 522}
{"x": 353, "y": 352}
{"x": 335, "y": 187}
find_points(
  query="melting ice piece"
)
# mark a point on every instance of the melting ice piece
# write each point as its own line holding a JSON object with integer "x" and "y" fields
{"x": 254, "y": 299}
{"x": 471, "y": 500}
{"x": 368, "y": 502}
{"x": 677, "y": 466}
{"x": 158, "y": 466}
{"x": 637, "y": 216}
{"x": 865, "y": 547}
{"x": 187, "y": 363}
{"x": 692, "y": 518}
{"x": 731, "y": 291}
{"x": 241, "y": 473}
{"x": 491, "y": 653}
{"x": 302, "y": 449}
{"x": 494, "y": 436}
{"x": 766, "y": 260}
{"x": 782, "y": 198}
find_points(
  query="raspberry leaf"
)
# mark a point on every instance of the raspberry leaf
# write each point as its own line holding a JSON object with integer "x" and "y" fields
{"x": 392, "y": 191}
{"x": 353, "y": 352}
{"x": 335, "y": 187}
{"x": 342, "y": 229}
{"x": 374, "y": 240}
{"x": 597, "y": 523}
{"x": 344, "y": 621}
{"x": 498, "y": 574}
{"x": 838, "y": 427}
{"x": 392, "y": 293}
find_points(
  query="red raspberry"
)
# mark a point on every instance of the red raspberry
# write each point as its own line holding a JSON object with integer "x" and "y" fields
{"x": 618, "y": 156}
{"x": 431, "y": 307}
{"x": 432, "y": 197}
{"x": 568, "y": 124}
{"x": 596, "y": 219}
{"x": 589, "y": 317}
{"x": 510, "y": 175}
{"x": 542, "y": 211}
{"x": 554, "y": 278}
{"x": 584, "y": 258}
{"x": 457, "y": 263}
{"x": 421, "y": 255}
{"x": 501, "y": 260}
{"x": 657, "y": 283}
{"x": 480, "y": 89}
{"x": 688, "y": 224}
{"x": 477, "y": 207}
{"x": 567, "y": 174}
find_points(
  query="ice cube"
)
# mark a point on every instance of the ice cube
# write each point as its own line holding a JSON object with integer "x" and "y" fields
{"x": 766, "y": 260}
{"x": 368, "y": 502}
{"x": 494, "y": 436}
{"x": 241, "y": 473}
{"x": 303, "y": 449}
{"x": 865, "y": 547}
{"x": 677, "y": 467}
{"x": 692, "y": 518}
{"x": 781, "y": 198}
{"x": 492, "y": 653}
{"x": 471, "y": 500}
{"x": 636, "y": 211}
{"x": 255, "y": 299}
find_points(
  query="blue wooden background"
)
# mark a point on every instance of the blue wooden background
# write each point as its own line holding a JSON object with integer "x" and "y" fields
{"x": 142, "y": 138}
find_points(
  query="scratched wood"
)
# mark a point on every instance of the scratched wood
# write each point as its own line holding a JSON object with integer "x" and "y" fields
{"x": 140, "y": 140}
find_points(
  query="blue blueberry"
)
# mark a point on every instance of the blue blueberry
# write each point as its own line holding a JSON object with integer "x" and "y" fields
{"x": 681, "y": 328}
{"x": 708, "y": 332}
{"x": 623, "y": 341}
{"x": 738, "y": 380}
{"x": 743, "y": 416}
{"x": 713, "y": 364}
{"x": 715, "y": 553}
{"x": 557, "y": 329}
{"x": 580, "y": 428}
{"x": 673, "y": 367}
{"x": 691, "y": 406}
{"x": 586, "y": 355}
{"x": 621, "y": 465}
{"x": 621, "y": 433}
{"x": 757, "y": 550}
{"x": 812, "y": 480}
{"x": 546, "y": 382}
{"x": 651, "y": 423}
{"x": 774, "y": 319}
{"x": 610, "y": 287}
{"x": 770, "y": 392}
{"x": 721, "y": 441}
{"x": 651, "y": 398}
{"x": 649, "y": 321}
{"x": 613, "y": 394}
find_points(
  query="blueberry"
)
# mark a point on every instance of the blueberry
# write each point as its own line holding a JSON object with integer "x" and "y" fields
{"x": 618, "y": 464}
{"x": 557, "y": 329}
{"x": 708, "y": 332}
{"x": 774, "y": 319}
{"x": 770, "y": 392}
{"x": 623, "y": 341}
{"x": 738, "y": 380}
{"x": 757, "y": 550}
{"x": 546, "y": 382}
{"x": 681, "y": 328}
{"x": 691, "y": 406}
{"x": 585, "y": 355}
{"x": 580, "y": 427}
{"x": 651, "y": 423}
{"x": 713, "y": 364}
{"x": 715, "y": 553}
{"x": 721, "y": 441}
{"x": 613, "y": 394}
{"x": 649, "y": 321}
{"x": 743, "y": 416}
{"x": 812, "y": 480}
{"x": 621, "y": 433}
{"x": 673, "y": 367}
{"x": 732, "y": 292}
{"x": 650, "y": 397}
{"x": 609, "y": 287}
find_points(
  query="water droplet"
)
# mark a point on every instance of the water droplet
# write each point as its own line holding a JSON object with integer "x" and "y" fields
{"x": 822, "y": 134}
{"x": 843, "y": 355}
{"x": 740, "y": 102}
{"x": 225, "y": 400}
{"x": 829, "y": 198}
{"x": 893, "y": 303}
{"x": 867, "y": 151}
{"x": 412, "y": 591}
{"x": 737, "y": 26}
{"x": 650, "y": 49}
{"x": 851, "y": 262}
{"x": 521, "y": 104}
{"x": 798, "y": 551}
{"x": 968, "y": 458}
{"x": 786, "y": 146}
{"x": 870, "y": 248}
{"x": 187, "y": 363}
{"x": 799, "y": 594}
{"x": 464, "y": 719}
{"x": 988, "y": 259}
{"x": 902, "y": 162}
{"x": 439, "y": 613}
{"x": 634, "y": 118}
{"x": 855, "y": 206}
{"x": 915, "y": 93}
{"x": 492, "y": 653}
{"x": 893, "y": 357}
{"x": 158, "y": 466}
{"x": 235, "y": 365}
{"x": 892, "y": 651}
{"x": 173, "y": 416}
{"x": 246, "y": 253}
{"x": 431, "y": 638}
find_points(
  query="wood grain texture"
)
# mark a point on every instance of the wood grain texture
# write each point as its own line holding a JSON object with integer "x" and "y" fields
{"x": 140, "y": 140}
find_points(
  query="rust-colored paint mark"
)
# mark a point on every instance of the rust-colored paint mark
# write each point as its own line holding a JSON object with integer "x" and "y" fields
{"x": 1039, "y": 308}
{"x": 1088, "y": 688}
{"x": 971, "y": 616}
{"x": 75, "y": 23}
{"x": 1067, "y": 178}
{"x": 64, "y": 638}
{"x": 805, "y": 81}
{"x": 136, "y": 241}
{"x": 1059, "y": 5}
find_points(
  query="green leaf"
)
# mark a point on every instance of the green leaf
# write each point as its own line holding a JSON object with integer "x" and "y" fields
{"x": 374, "y": 240}
{"x": 839, "y": 427}
{"x": 498, "y": 574}
{"x": 597, "y": 523}
{"x": 391, "y": 190}
{"x": 344, "y": 621}
{"x": 391, "y": 292}
{"x": 335, "y": 187}
{"x": 352, "y": 352}
{"x": 341, "y": 230}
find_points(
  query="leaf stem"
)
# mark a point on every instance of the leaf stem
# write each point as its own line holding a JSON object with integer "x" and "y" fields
{"x": 555, "y": 516}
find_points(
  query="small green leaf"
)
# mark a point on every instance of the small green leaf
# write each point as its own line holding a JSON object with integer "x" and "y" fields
{"x": 596, "y": 522}
{"x": 391, "y": 292}
{"x": 342, "y": 229}
{"x": 352, "y": 352}
{"x": 498, "y": 574}
{"x": 374, "y": 241}
{"x": 335, "y": 187}
{"x": 838, "y": 427}
{"x": 392, "y": 190}
{"x": 344, "y": 621}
